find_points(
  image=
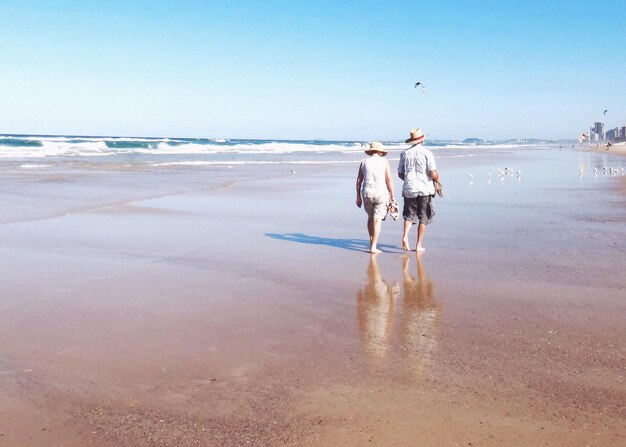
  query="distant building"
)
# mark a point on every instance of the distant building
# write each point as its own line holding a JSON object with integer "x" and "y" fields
{"x": 598, "y": 128}
{"x": 612, "y": 135}
{"x": 616, "y": 135}
{"x": 597, "y": 131}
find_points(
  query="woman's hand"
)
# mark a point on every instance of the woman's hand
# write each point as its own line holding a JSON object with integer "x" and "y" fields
{"x": 359, "y": 201}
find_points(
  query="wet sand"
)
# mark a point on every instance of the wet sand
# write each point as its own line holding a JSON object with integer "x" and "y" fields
{"x": 223, "y": 312}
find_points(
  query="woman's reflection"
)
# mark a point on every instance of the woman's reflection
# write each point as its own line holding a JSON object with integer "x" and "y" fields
{"x": 375, "y": 309}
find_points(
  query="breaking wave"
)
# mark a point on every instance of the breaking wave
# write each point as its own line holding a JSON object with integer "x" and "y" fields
{"x": 46, "y": 146}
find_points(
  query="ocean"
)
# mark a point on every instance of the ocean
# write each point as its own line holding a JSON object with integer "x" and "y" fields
{"x": 40, "y": 150}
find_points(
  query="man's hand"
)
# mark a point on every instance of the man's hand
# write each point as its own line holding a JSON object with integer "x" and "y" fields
{"x": 359, "y": 201}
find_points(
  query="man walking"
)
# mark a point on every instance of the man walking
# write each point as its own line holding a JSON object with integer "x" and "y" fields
{"x": 418, "y": 170}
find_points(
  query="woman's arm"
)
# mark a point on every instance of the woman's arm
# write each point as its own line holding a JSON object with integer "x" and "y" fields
{"x": 359, "y": 182}
{"x": 389, "y": 182}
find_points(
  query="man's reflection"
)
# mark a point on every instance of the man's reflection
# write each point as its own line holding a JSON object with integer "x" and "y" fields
{"x": 385, "y": 324}
{"x": 375, "y": 308}
{"x": 418, "y": 316}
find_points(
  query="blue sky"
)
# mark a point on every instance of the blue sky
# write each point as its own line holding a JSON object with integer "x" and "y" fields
{"x": 314, "y": 69}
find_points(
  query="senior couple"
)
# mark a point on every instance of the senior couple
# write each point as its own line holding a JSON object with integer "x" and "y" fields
{"x": 374, "y": 189}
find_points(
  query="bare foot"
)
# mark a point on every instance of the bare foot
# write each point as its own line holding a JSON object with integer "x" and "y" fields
{"x": 420, "y": 249}
{"x": 375, "y": 251}
{"x": 405, "y": 245}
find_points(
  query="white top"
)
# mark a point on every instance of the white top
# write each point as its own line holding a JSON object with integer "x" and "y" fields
{"x": 374, "y": 185}
{"x": 416, "y": 163}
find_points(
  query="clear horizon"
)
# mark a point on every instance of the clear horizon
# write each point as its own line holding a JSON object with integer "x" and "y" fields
{"x": 329, "y": 71}
{"x": 177, "y": 137}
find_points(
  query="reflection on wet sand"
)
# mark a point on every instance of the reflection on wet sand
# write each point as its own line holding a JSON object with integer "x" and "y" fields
{"x": 408, "y": 328}
{"x": 375, "y": 311}
{"x": 419, "y": 316}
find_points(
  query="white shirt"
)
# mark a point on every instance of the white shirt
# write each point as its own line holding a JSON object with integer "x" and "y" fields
{"x": 374, "y": 185}
{"x": 416, "y": 163}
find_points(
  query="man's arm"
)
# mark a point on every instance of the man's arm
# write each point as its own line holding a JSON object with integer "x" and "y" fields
{"x": 431, "y": 167}
{"x": 359, "y": 182}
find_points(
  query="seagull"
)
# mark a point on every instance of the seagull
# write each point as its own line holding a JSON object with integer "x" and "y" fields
{"x": 293, "y": 172}
{"x": 471, "y": 177}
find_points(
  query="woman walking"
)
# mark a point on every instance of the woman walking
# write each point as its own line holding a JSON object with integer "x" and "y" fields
{"x": 374, "y": 190}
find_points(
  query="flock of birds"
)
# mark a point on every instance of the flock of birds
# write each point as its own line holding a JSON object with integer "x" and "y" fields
{"x": 606, "y": 170}
{"x": 508, "y": 172}
{"x": 502, "y": 174}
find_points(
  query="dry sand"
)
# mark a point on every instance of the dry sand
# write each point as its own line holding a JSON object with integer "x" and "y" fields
{"x": 616, "y": 149}
{"x": 250, "y": 315}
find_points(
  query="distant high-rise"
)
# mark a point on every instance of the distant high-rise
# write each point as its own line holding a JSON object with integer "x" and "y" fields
{"x": 598, "y": 128}
{"x": 612, "y": 134}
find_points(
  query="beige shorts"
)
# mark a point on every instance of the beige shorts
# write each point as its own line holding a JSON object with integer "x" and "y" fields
{"x": 376, "y": 207}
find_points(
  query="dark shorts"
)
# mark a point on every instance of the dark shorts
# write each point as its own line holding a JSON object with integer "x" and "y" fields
{"x": 418, "y": 209}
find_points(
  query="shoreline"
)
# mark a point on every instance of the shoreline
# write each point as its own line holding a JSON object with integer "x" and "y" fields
{"x": 615, "y": 149}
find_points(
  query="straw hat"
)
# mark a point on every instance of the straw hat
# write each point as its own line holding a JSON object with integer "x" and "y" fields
{"x": 417, "y": 137}
{"x": 376, "y": 147}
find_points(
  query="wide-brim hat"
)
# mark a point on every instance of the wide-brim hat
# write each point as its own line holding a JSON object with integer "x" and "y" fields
{"x": 376, "y": 147}
{"x": 417, "y": 137}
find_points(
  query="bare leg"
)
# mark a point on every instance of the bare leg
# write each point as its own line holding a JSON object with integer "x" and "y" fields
{"x": 405, "y": 235}
{"x": 421, "y": 273}
{"x": 405, "y": 267}
{"x": 373, "y": 227}
{"x": 421, "y": 230}
{"x": 370, "y": 228}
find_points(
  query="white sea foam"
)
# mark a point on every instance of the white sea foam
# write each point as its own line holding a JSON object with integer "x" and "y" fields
{"x": 251, "y": 162}
{"x": 33, "y": 166}
{"x": 88, "y": 146}
{"x": 69, "y": 146}
{"x": 258, "y": 148}
{"x": 91, "y": 148}
{"x": 460, "y": 156}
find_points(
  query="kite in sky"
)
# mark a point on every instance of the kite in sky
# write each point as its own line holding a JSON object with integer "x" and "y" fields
{"x": 417, "y": 84}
